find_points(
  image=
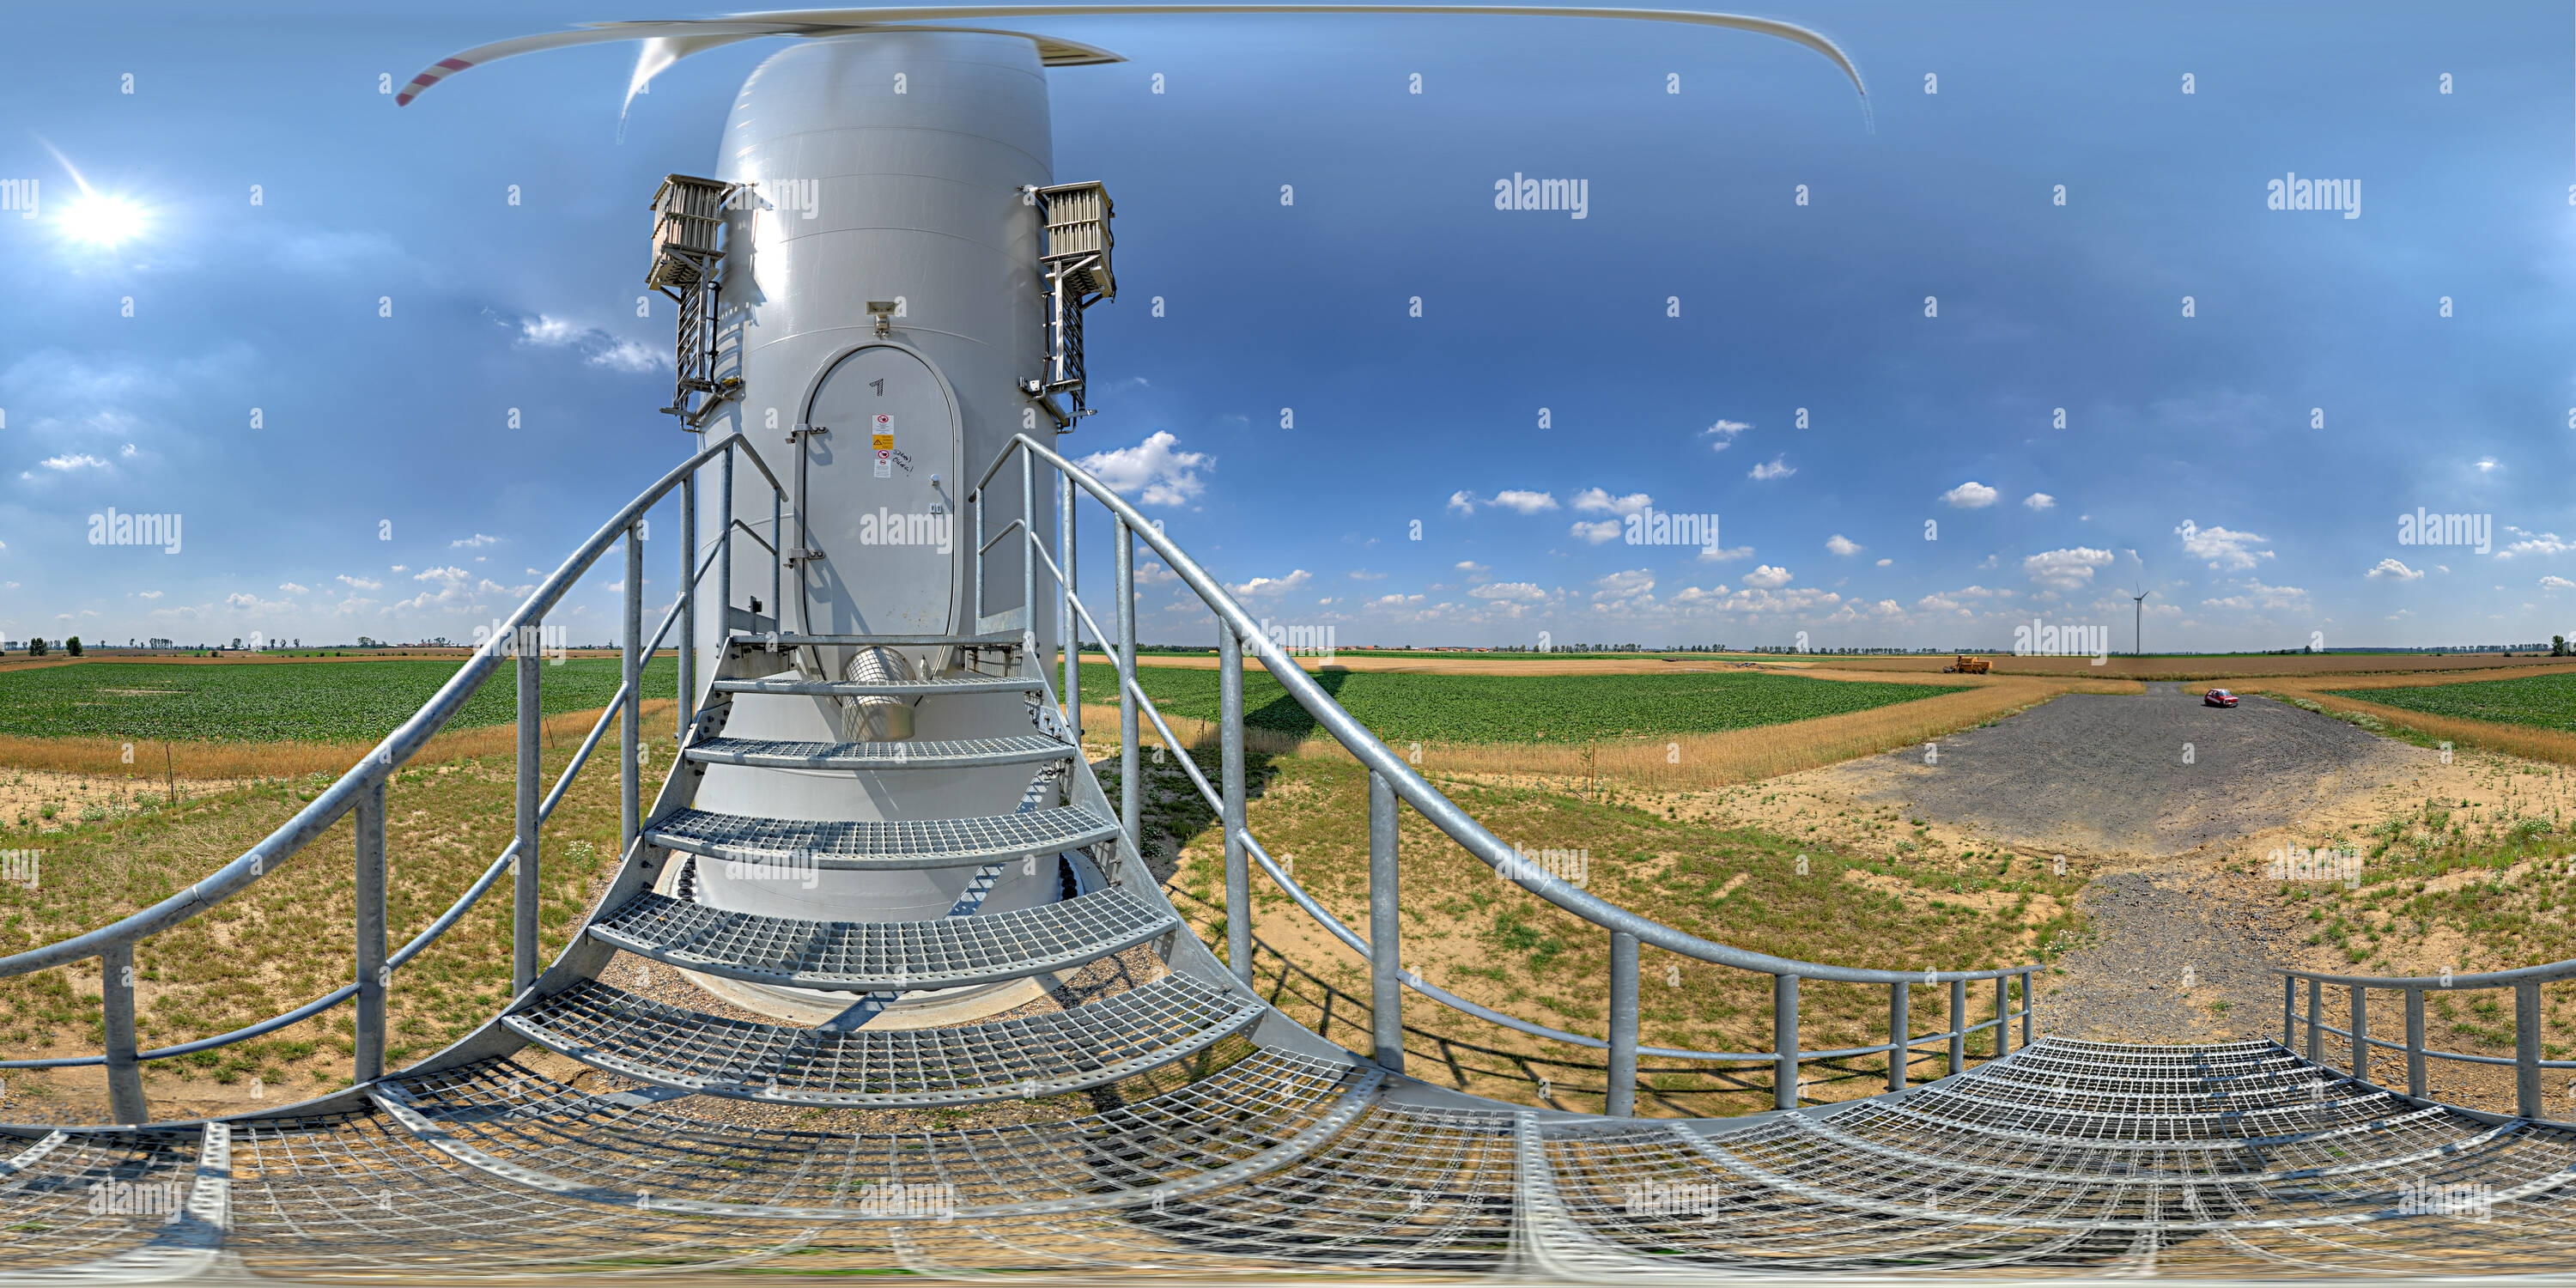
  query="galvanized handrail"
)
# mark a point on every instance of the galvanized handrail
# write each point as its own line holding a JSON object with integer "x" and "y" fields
{"x": 361, "y": 788}
{"x": 1392, "y": 779}
{"x": 2525, "y": 981}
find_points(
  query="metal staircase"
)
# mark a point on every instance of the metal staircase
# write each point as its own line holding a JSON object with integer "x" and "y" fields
{"x": 1173, "y": 1121}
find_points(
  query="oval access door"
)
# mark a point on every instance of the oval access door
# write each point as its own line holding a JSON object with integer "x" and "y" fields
{"x": 889, "y": 538}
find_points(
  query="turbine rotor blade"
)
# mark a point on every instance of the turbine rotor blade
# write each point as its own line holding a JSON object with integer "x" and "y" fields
{"x": 679, "y": 38}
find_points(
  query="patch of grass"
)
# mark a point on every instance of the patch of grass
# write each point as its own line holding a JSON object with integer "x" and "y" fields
{"x": 280, "y": 702}
{"x": 2539, "y": 701}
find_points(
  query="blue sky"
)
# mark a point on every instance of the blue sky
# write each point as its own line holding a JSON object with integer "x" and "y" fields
{"x": 2256, "y": 456}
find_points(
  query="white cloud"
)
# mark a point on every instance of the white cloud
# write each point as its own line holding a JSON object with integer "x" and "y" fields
{"x": 1593, "y": 500}
{"x": 1844, "y": 546}
{"x": 1463, "y": 502}
{"x": 1524, "y": 502}
{"x": 2040, "y": 501}
{"x": 360, "y": 583}
{"x": 1885, "y": 562}
{"x": 154, "y": 594}
{"x": 1779, "y": 468}
{"x": 2487, "y": 465}
{"x": 599, "y": 348}
{"x": 474, "y": 542}
{"x": 1631, "y": 589}
{"x": 2261, "y": 596}
{"x": 73, "y": 461}
{"x": 627, "y": 355}
{"x": 1971, "y": 495}
{"x": 2391, "y": 570}
{"x": 2067, "y": 569}
{"x": 2536, "y": 543}
{"x": 1511, "y": 590}
{"x": 444, "y": 576}
{"x": 1273, "y": 585}
{"x": 1153, "y": 468}
{"x": 2226, "y": 551}
{"x": 1596, "y": 532}
{"x": 1725, "y": 431}
{"x": 1362, "y": 574}
{"x": 1397, "y": 601}
{"x": 127, "y": 451}
{"x": 2554, "y": 582}
{"x": 1766, "y": 577}
{"x": 293, "y": 589}
{"x": 1724, "y": 554}
{"x": 1471, "y": 567}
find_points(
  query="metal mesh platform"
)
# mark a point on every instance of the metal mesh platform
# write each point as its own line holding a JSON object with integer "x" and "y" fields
{"x": 962, "y": 753}
{"x": 1253, "y": 1115}
{"x": 82, "y": 1196}
{"x": 1091, "y": 1044}
{"x": 922, "y": 843}
{"x": 951, "y": 684}
{"x": 1405, "y": 1188}
{"x": 870, "y": 956}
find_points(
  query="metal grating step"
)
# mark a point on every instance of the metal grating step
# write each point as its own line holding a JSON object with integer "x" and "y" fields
{"x": 882, "y": 956}
{"x": 963, "y": 753}
{"x": 952, "y": 684}
{"x": 1218, "y": 1123}
{"x": 1091, "y": 1044}
{"x": 998, "y": 639}
{"x": 791, "y": 844}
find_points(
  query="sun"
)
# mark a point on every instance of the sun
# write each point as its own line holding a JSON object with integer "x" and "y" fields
{"x": 97, "y": 219}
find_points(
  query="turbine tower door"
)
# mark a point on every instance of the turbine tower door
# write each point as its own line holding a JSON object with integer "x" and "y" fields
{"x": 889, "y": 534}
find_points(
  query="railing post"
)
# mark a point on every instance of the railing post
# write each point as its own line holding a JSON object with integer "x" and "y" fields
{"x": 1130, "y": 789}
{"x": 630, "y": 714}
{"x": 372, "y": 975}
{"x": 2003, "y": 1016}
{"x": 1068, "y": 626}
{"x": 2290, "y": 1013}
{"x": 2029, "y": 1002}
{"x": 1784, "y": 1041}
{"x": 973, "y": 522}
{"x": 724, "y": 549}
{"x": 2316, "y": 1021}
{"x": 1386, "y": 938}
{"x": 1029, "y": 557}
{"x": 688, "y": 658}
{"x": 523, "y": 886}
{"x": 1958, "y": 1027}
{"x": 124, "y": 1071}
{"x": 2526, "y": 1050}
{"x": 1900, "y": 1027}
{"x": 777, "y": 557}
{"x": 1238, "y": 877}
{"x": 2360, "y": 1033}
{"x": 1621, "y": 1098}
{"x": 2415, "y": 1043}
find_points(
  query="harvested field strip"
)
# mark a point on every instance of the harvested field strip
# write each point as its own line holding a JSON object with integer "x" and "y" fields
{"x": 2409, "y": 666}
{"x": 2364, "y": 705}
{"x": 1527, "y": 709}
{"x": 1678, "y": 762}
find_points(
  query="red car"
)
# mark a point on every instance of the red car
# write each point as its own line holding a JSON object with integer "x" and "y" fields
{"x": 2218, "y": 698}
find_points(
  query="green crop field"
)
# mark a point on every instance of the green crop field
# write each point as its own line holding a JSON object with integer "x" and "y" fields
{"x": 1514, "y": 708}
{"x": 2541, "y": 701}
{"x": 282, "y": 702}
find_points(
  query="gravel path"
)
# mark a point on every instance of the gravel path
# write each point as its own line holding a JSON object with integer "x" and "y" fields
{"x": 2177, "y": 957}
{"x": 2106, "y": 775}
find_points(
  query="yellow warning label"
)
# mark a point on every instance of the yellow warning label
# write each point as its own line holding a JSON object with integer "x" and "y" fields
{"x": 884, "y": 442}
